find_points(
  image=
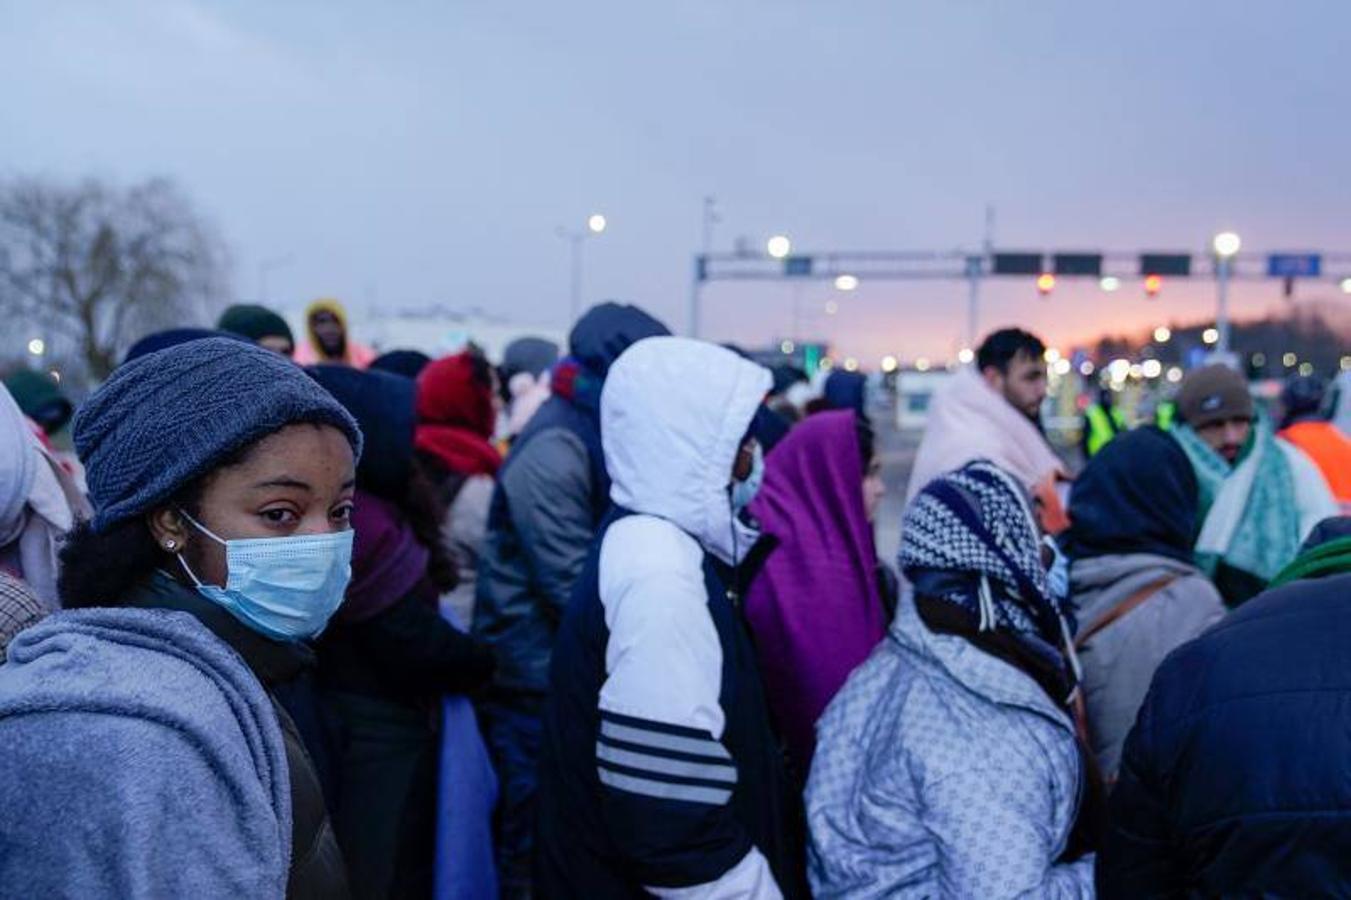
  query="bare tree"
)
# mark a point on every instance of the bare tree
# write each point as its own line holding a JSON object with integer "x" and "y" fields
{"x": 96, "y": 267}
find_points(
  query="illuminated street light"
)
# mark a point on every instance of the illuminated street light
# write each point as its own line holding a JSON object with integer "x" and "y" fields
{"x": 1289, "y": 360}
{"x": 1062, "y": 366}
{"x": 37, "y": 346}
{"x": 846, "y": 283}
{"x": 1174, "y": 374}
{"x": 787, "y": 347}
{"x": 1226, "y": 244}
{"x": 1210, "y": 336}
{"x": 889, "y": 363}
{"x": 1110, "y": 283}
{"x": 922, "y": 364}
{"x": 1306, "y": 368}
{"x": 965, "y": 355}
{"x": 596, "y": 224}
{"x": 779, "y": 246}
{"x": 1163, "y": 334}
{"x": 1346, "y": 285}
{"x": 850, "y": 364}
{"x": 1086, "y": 368}
{"x": 1151, "y": 368}
{"x": 1045, "y": 283}
{"x": 1052, "y": 355}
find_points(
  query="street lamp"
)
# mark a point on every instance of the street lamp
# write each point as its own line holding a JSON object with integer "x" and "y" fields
{"x": 1226, "y": 246}
{"x": 779, "y": 246}
{"x": 595, "y": 225}
{"x": 846, "y": 283}
{"x": 1163, "y": 334}
{"x": 37, "y": 347}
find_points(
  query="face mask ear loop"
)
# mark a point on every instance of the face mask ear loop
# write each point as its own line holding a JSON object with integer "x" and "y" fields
{"x": 202, "y": 528}
{"x": 197, "y": 582}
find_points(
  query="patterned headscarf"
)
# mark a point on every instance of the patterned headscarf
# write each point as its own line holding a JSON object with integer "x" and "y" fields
{"x": 969, "y": 538}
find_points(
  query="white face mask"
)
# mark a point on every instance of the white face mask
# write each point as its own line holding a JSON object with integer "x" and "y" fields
{"x": 284, "y": 587}
{"x": 743, "y": 492}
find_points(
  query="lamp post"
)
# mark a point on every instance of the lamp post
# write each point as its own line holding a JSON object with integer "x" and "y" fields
{"x": 1226, "y": 246}
{"x": 595, "y": 225}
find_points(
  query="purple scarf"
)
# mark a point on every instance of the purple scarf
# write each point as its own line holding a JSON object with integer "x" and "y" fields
{"x": 815, "y": 608}
{"x": 387, "y": 560}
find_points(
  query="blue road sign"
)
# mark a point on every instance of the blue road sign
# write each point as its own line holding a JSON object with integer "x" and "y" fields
{"x": 1294, "y": 265}
{"x": 797, "y": 265}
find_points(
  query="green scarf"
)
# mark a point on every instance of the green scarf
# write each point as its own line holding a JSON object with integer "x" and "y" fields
{"x": 1332, "y": 558}
{"x": 1265, "y": 536}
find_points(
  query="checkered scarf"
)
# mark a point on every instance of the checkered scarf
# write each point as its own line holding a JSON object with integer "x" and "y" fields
{"x": 969, "y": 539}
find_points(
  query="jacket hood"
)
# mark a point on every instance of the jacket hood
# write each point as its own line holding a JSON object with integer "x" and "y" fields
{"x": 383, "y": 404}
{"x": 673, "y": 414}
{"x": 1101, "y": 582}
{"x": 606, "y": 331}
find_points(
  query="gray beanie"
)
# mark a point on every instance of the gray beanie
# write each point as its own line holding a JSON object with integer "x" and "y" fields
{"x": 166, "y": 419}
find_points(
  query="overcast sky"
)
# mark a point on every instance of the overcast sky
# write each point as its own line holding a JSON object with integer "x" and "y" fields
{"x": 404, "y": 153}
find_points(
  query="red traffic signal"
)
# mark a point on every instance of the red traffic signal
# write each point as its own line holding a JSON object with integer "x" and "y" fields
{"x": 1045, "y": 283}
{"x": 1153, "y": 284}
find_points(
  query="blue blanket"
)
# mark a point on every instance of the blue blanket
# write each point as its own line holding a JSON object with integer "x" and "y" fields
{"x": 142, "y": 759}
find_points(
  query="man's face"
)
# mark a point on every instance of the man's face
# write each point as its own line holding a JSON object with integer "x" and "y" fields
{"x": 328, "y": 330}
{"x": 1023, "y": 385}
{"x": 1227, "y": 436}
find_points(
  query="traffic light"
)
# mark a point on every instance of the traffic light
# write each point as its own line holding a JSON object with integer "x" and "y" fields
{"x": 1045, "y": 283}
{"x": 1153, "y": 284}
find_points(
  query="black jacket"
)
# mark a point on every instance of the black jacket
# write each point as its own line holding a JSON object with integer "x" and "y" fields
{"x": 1236, "y": 779}
{"x": 317, "y": 868}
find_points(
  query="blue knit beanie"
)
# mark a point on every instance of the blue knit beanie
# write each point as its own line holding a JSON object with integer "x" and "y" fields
{"x": 168, "y": 418}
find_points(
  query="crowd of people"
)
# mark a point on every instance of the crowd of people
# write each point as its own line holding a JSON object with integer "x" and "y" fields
{"x": 609, "y": 620}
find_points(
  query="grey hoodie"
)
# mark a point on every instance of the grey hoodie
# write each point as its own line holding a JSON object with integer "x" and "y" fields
{"x": 1120, "y": 660}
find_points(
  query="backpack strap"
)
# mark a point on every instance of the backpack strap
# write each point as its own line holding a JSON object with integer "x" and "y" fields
{"x": 1125, "y": 606}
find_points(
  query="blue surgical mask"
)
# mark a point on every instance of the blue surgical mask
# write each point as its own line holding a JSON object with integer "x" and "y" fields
{"x": 1058, "y": 576}
{"x": 284, "y": 587}
{"x": 743, "y": 492}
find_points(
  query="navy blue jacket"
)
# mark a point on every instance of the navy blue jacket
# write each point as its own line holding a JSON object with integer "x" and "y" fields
{"x": 1236, "y": 779}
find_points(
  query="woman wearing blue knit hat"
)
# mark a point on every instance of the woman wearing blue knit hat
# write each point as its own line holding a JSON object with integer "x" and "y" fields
{"x": 148, "y": 721}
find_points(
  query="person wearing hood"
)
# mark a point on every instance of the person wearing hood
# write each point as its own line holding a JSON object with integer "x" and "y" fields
{"x": 330, "y": 338}
{"x": 551, "y": 494}
{"x": 455, "y": 425}
{"x": 847, "y": 390}
{"x": 157, "y": 754}
{"x": 1260, "y": 495}
{"x": 815, "y": 609}
{"x": 523, "y": 379}
{"x": 1305, "y": 425}
{"x": 389, "y": 655}
{"x": 660, "y": 772}
{"x": 949, "y": 765}
{"x": 1136, "y": 590}
{"x": 261, "y": 325}
{"x": 992, "y": 411}
{"x": 1233, "y": 780}
{"x": 39, "y": 504}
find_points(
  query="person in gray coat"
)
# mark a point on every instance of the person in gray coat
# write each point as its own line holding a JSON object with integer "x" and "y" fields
{"x": 1137, "y": 592}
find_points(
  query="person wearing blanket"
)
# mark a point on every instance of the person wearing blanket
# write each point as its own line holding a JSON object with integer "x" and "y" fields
{"x": 149, "y": 750}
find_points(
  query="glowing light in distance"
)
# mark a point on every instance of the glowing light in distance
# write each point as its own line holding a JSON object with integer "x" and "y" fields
{"x": 1174, "y": 374}
{"x": 1045, "y": 283}
{"x": 1110, "y": 283}
{"x": 965, "y": 355}
{"x": 1086, "y": 368}
{"x": 1119, "y": 369}
{"x": 922, "y": 364}
{"x": 779, "y": 246}
{"x": 596, "y": 224}
{"x": 1062, "y": 366}
{"x": 1306, "y": 368}
{"x": 1210, "y": 336}
{"x": 1151, "y": 368}
{"x": 787, "y": 347}
{"x": 1226, "y": 244}
{"x": 1153, "y": 284}
{"x": 1289, "y": 359}
{"x": 1163, "y": 334}
{"x": 846, "y": 283}
{"x": 850, "y": 364}
{"x": 37, "y": 346}
{"x": 889, "y": 363}
{"x": 1052, "y": 355}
